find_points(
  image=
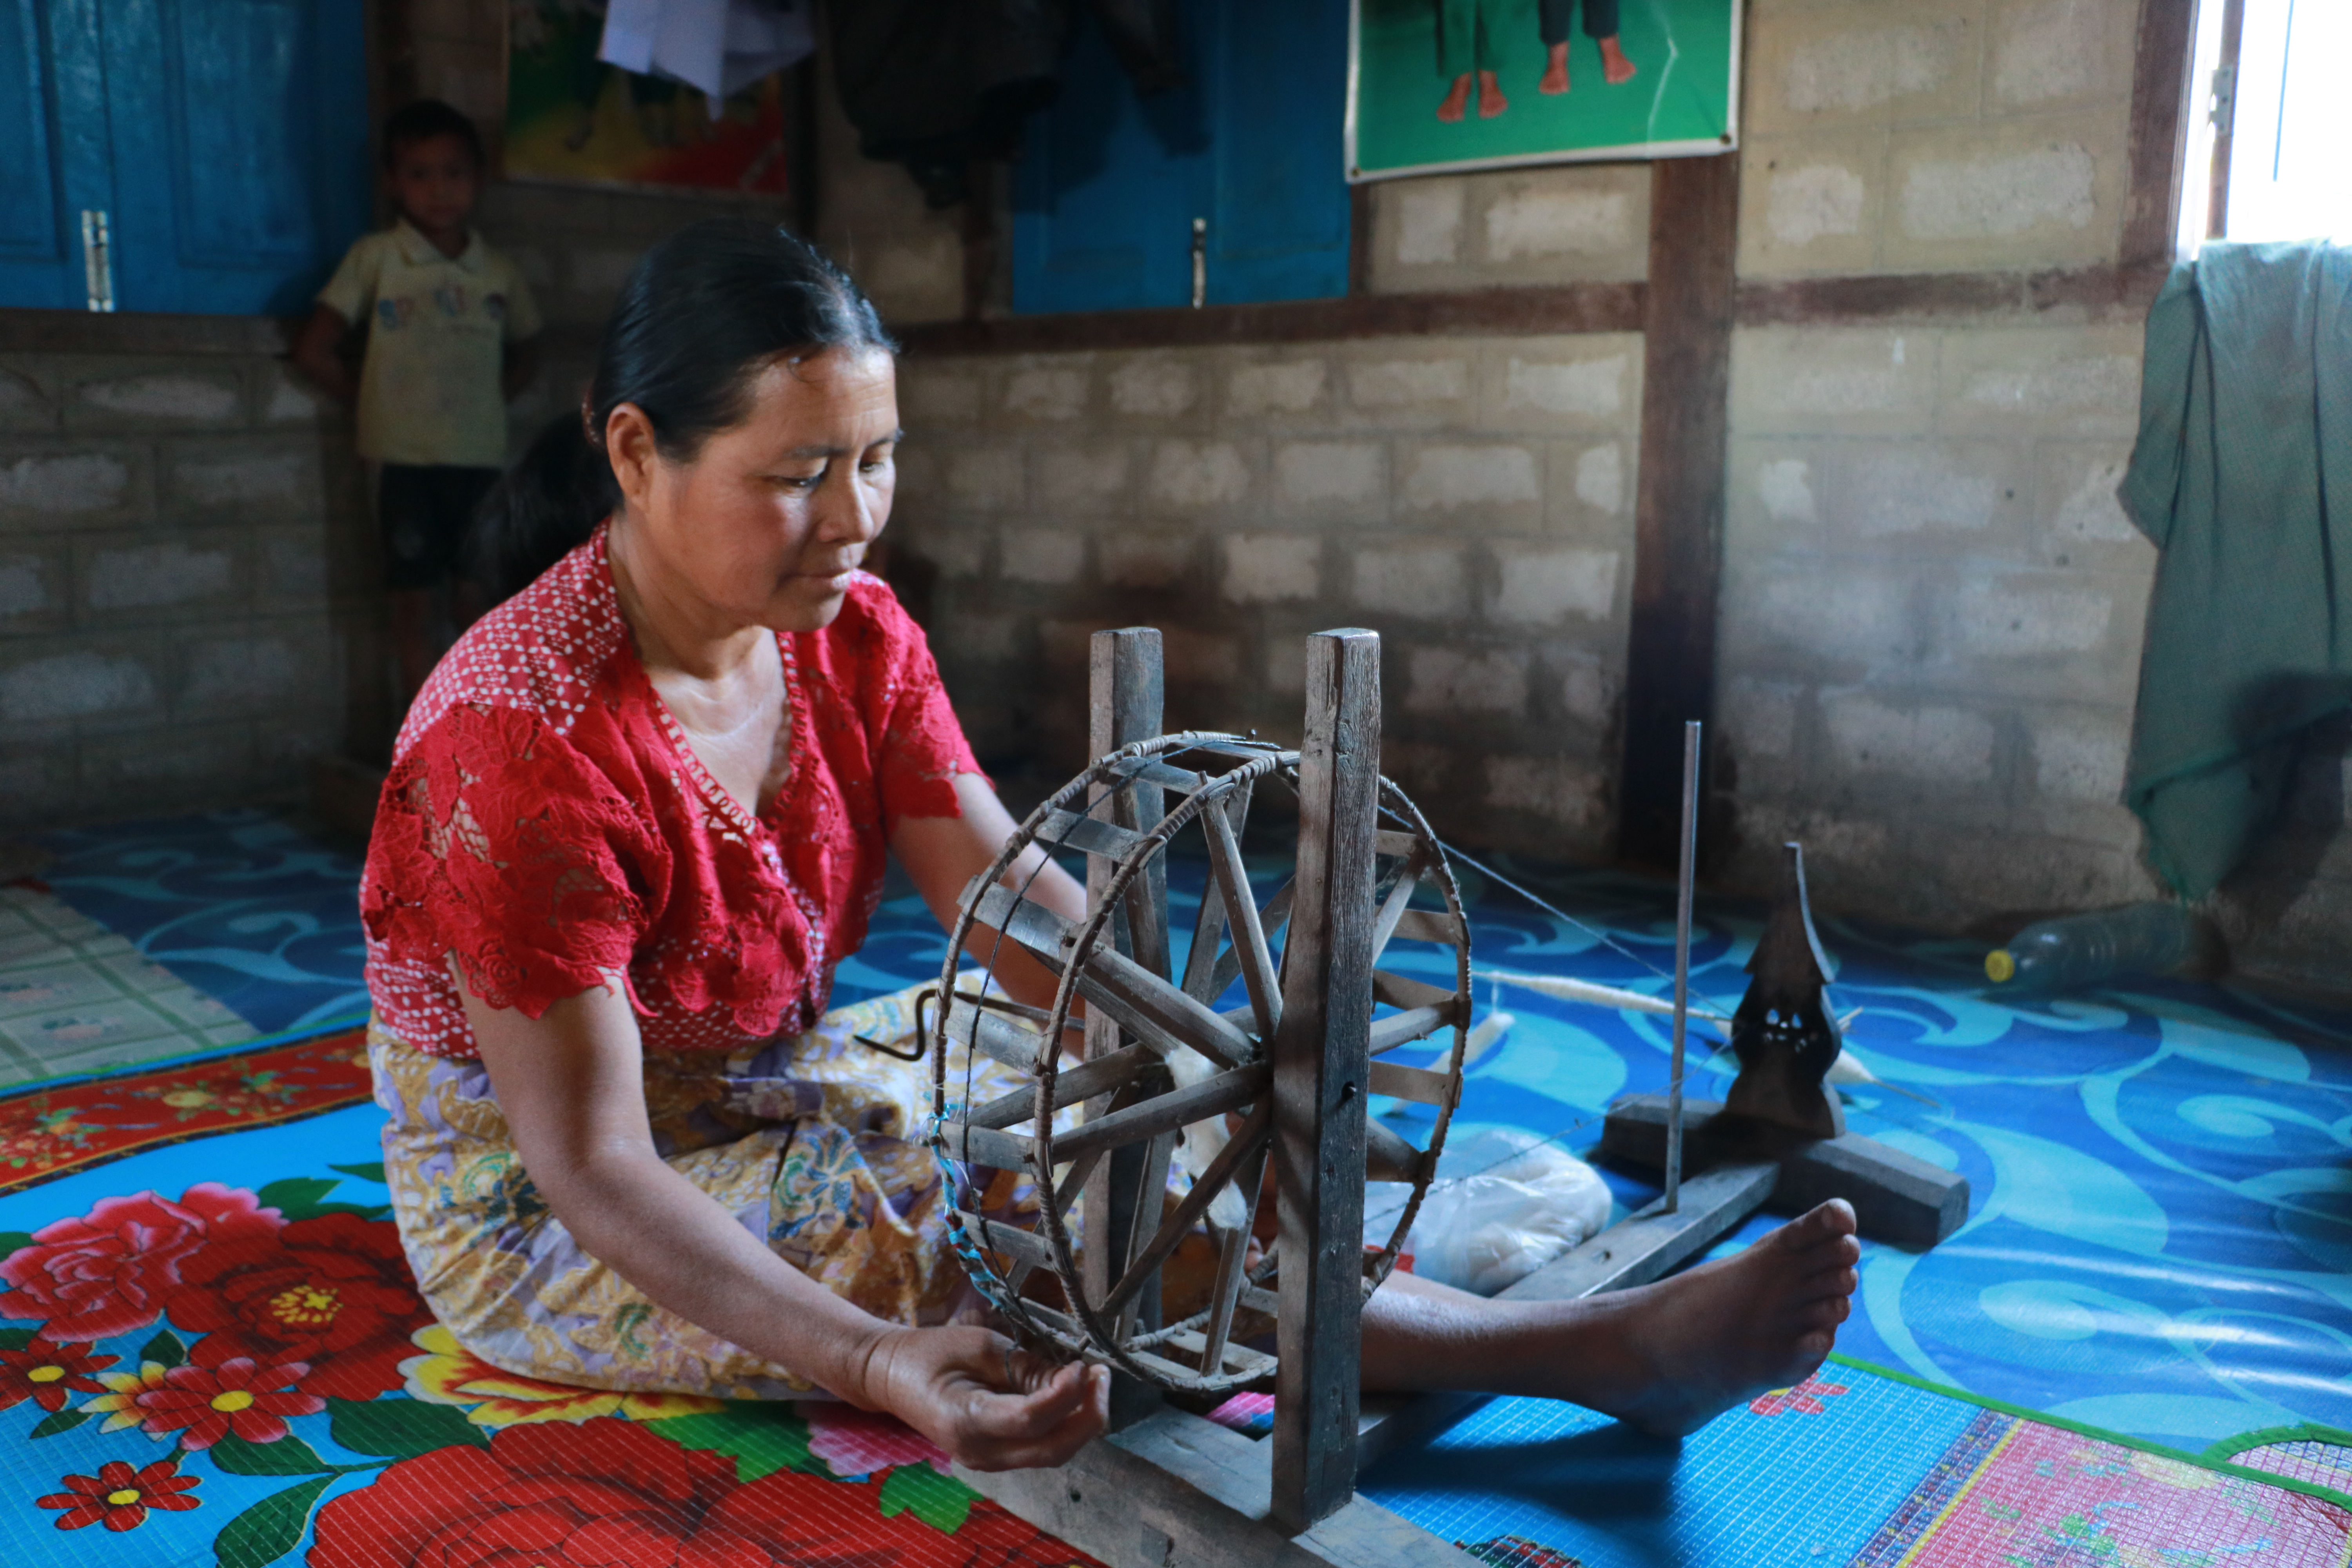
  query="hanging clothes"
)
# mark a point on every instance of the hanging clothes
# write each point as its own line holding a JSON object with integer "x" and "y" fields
{"x": 936, "y": 84}
{"x": 721, "y": 46}
{"x": 2242, "y": 478}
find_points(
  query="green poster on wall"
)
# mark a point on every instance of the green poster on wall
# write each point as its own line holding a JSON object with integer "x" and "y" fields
{"x": 1485, "y": 84}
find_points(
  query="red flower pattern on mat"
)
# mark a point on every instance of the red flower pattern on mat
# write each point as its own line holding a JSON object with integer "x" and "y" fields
{"x": 121, "y": 1497}
{"x": 610, "y": 1491}
{"x": 111, "y": 1270}
{"x": 206, "y": 1404}
{"x": 46, "y": 1371}
{"x": 1805, "y": 1399}
{"x": 854, "y": 1442}
{"x": 333, "y": 1291}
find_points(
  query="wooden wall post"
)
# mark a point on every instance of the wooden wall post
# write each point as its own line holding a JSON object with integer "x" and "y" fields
{"x": 1320, "y": 1069}
{"x": 1126, "y": 691}
{"x": 2160, "y": 112}
{"x": 1688, "y": 316}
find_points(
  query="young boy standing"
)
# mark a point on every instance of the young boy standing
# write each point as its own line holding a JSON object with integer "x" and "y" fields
{"x": 449, "y": 327}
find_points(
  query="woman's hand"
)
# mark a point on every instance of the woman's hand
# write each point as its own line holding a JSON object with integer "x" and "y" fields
{"x": 992, "y": 1405}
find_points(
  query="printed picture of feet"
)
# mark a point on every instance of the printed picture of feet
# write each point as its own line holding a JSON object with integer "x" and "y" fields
{"x": 1471, "y": 84}
{"x": 573, "y": 120}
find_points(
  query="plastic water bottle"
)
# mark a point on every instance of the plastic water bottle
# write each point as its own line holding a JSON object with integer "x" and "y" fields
{"x": 2082, "y": 951}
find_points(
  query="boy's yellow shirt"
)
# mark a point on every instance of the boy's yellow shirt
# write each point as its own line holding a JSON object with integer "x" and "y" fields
{"x": 437, "y": 330}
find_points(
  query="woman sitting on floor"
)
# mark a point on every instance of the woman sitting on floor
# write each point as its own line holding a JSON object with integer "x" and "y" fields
{"x": 635, "y": 820}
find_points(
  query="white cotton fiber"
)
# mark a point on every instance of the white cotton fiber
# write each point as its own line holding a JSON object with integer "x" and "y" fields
{"x": 1505, "y": 1203}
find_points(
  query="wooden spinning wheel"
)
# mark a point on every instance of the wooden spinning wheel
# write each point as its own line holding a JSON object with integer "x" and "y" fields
{"x": 1190, "y": 1060}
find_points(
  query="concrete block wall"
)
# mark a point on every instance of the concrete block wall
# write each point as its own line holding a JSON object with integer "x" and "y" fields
{"x": 1575, "y": 223}
{"x": 1470, "y": 499}
{"x": 1932, "y": 608}
{"x": 577, "y": 246}
{"x": 1959, "y": 135}
{"x": 187, "y": 611}
{"x": 1932, "y": 603}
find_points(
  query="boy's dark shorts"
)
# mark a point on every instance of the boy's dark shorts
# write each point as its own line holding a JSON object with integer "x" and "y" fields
{"x": 425, "y": 513}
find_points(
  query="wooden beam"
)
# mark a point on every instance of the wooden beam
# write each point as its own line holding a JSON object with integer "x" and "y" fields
{"x": 2225, "y": 131}
{"x": 1319, "y": 1083}
{"x": 1360, "y": 241}
{"x": 1679, "y": 519}
{"x": 1179, "y": 1489}
{"x": 1896, "y": 1198}
{"x": 1124, "y": 696}
{"x": 142, "y": 332}
{"x": 1557, "y": 308}
{"x": 2103, "y": 292}
{"x": 2159, "y": 124}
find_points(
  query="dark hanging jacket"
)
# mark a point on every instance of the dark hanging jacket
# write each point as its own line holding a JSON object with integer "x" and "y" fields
{"x": 935, "y": 84}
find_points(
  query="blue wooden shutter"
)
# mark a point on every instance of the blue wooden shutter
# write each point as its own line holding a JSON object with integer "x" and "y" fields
{"x": 240, "y": 140}
{"x": 1278, "y": 225}
{"x": 54, "y": 159}
{"x": 1109, "y": 183}
{"x": 1108, "y": 188}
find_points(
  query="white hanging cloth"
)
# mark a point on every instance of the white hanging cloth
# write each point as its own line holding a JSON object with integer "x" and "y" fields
{"x": 721, "y": 46}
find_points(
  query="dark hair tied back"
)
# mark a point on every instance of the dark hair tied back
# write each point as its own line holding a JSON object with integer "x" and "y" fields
{"x": 423, "y": 119}
{"x": 704, "y": 312}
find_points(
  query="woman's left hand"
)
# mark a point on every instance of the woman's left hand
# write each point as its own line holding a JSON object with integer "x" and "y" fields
{"x": 990, "y": 1404}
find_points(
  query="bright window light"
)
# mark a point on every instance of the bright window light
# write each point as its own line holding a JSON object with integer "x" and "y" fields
{"x": 2290, "y": 177}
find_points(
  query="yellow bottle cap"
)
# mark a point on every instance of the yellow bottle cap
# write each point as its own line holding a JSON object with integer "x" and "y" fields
{"x": 1999, "y": 966}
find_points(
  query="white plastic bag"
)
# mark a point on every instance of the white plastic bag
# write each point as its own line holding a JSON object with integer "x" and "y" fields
{"x": 1505, "y": 1203}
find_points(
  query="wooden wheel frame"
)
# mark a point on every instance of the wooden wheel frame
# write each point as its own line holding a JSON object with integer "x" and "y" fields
{"x": 1161, "y": 1060}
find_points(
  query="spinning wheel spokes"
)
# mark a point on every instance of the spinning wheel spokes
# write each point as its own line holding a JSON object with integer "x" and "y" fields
{"x": 1176, "y": 1062}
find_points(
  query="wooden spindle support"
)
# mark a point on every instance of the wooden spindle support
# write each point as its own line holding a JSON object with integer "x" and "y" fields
{"x": 1126, "y": 692}
{"x": 1321, "y": 1066}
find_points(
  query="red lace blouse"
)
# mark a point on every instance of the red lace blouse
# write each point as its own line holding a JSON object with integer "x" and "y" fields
{"x": 546, "y": 821}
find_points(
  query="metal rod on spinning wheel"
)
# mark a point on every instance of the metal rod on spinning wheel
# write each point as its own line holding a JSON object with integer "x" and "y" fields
{"x": 1682, "y": 963}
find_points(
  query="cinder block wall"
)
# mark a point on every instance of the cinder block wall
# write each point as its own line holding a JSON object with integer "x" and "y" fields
{"x": 1932, "y": 604}
{"x": 1470, "y": 498}
{"x": 186, "y": 612}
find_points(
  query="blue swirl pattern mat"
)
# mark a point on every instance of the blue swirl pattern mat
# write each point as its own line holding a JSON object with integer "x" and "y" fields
{"x": 2160, "y": 1243}
{"x": 241, "y": 904}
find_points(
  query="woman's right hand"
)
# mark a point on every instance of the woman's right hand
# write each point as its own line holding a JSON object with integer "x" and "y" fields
{"x": 990, "y": 1404}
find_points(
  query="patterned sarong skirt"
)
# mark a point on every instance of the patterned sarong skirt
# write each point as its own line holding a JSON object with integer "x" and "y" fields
{"x": 812, "y": 1143}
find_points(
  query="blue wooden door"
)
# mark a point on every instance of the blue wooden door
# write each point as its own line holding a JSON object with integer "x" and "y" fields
{"x": 1279, "y": 218}
{"x": 55, "y": 162}
{"x": 1109, "y": 183}
{"x": 240, "y": 139}
{"x": 1107, "y": 186}
{"x": 225, "y": 139}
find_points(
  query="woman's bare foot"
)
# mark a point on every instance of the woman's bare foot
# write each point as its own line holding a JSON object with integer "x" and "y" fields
{"x": 1555, "y": 75}
{"x": 1457, "y": 100}
{"x": 1667, "y": 1358}
{"x": 1698, "y": 1343}
{"x": 1491, "y": 101}
{"x": 1616, "y": 69}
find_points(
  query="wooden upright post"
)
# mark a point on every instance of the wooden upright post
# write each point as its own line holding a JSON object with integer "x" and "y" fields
{"x": 1687, "y": 317}
{"x": 1126, "y": 689}
{"x": 1320, "y": 1067}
